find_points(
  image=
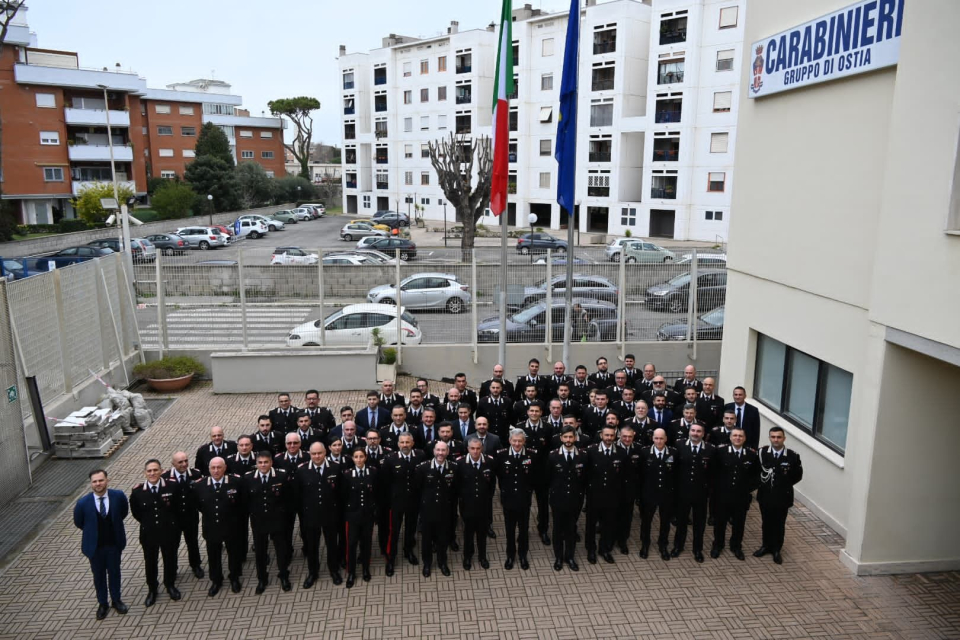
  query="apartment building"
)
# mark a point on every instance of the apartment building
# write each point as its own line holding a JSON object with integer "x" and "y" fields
{"x": 656, "y": 123}
{"x": 55, "y": 115}
{"x": 842, "y": 304}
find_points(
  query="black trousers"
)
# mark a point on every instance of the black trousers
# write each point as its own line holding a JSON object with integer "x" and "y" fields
{"x": 698, "y": 505}
{"x": 625, "y": 518}
{"x": 383, "y": 528}
{"x": 151, "y": 555}
{"x": 261, "y": 539}
{"x": 565, "y": 532}
{"x": 106, "y": 562}
{"x": 312, "y": 536}
{"x": 289, "y": 526}
{"x": 517, "y": 524}
{"x": 735, "y": 514}
{"x": 475, "y": 527}
{"x": 407, "y": 519}
{"x": 647, "y": 511}
{"x": 452, "y": 526}
{"x": 434, "y": 534}
{"x": 234, "y": 558}
{"x": 606, "y": 517}
{"x": 542, "y": 491}
{"x": 774, "y": 524}
{"x": 358, "y": 536}
{"x": 190, "y": 530}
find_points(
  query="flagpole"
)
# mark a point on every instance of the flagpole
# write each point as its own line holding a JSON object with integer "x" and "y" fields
{"x": 502, "y": 353}
{"x": 571, "y": 217}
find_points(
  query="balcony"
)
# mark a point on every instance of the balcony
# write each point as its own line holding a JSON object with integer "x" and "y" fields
{"x": 351, "y": 184}
{"x": 599, "y": 156}
{"x": 670, "y": 77}
{"x": 673, "y": 31}
{"x": 383, "y": 184}
{"x": 98, "y": 152}
{"x": 664, "y": 188}
{"x": 379, "y": 76}
{"x": 75, "y": 77}
{"x": 381, "y": 158}
{"x": 667, "y": 115}
{"x": 600, "y": 48}
{"x": 464, "y": 98}
{"x": 602, "y": 83}
{"x": 380, "y": 133}
{"x": 80, "y": 185}
{"x": 96, "y": 117}
{"x": 666, "y": 154}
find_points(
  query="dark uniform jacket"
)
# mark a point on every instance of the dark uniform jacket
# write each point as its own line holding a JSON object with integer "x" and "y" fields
{"x": 157, "y": 513}
{"x": 539, "y": 437}
{"x": 710, "y": 410}
{"x": 268, "y": 504}
{"x": 678, "y": 431}
{"x": 658, "y": 476}
{"x": 674, "y": 399}
{"x": 309, "y": 437}
{"x": 600, "y": 380}
{"x": 207, "y": 452}
{"x": 284, "y": 420}
{"x": 624, "y": 409}
{"x": 568, "y": 480}
{"x": 634, "y": 461}
{"x": 467, "y": 396}
{"x": 614, "y": 393}
{"x": 642, "y": 385}
{"x": 506, "y": 390}
{"x": 749, "y": 420}
{"x": 580, "y": 392}
{"x": 321, "y": 419}
{"x": 606, "y": 475}
{"x": 518, "y": 412}
{"x": 543, "y": 387}
{"x": 415, "y": 415}
{"x": 632, "y": 375}
{"x": 239, "y": 467}
{"x": 643, "y": 430}
{"x": 581, "y": 443}
{"x": 398, "y": 476}
{"x": 719, "y": 436}
{"x": 317, "y": 493}
{"x": 456, "y": 449}
{"x": 390, "y": 436}
{"x": 396, "y": 400}
{"x": 359, "y": 494}
{"x": 272, "y": 442}
{"x": 553, "y": 383}
{"x": 437, "y": 488}
{"x": 375, "y": 457}
{"x": 282, "y": 461}
{"x": 695, "y": 471}
{"x": 186, "y": 511}
{"x": 515, "y": 477}
{"x": 431, "y": 400}
{"x": 222, "y": 510}
{"x": 594, "y": 420}
{"x": 777, "y": 477}
{"x": 362, "y": 419}
{"x": 572, "y": 407}
{"x": 498, "y": 413}
{"x": 682, "y": 385}
{"x": 476, "y": 486}
{"x": 736, "y": 476}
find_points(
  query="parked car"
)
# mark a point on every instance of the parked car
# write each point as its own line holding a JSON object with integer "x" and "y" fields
{"x": 225, "y": 230}
{"x": 673, "y": 295}
{"x": 539, "y": 243}
{"x": 12, "y": 269}
{"x": 646, "y": 251}
{"x": 369, "y": 256}
{"x": 168, "y": 243}
{"x": 287, "y": 216}
{"x": 202, "y": 237}
{"x": 616, "y": 246}
{"x": 250, "y": 227}
{"x": 292, "y": 255}
{"x": 709, "y": 327}
{"x": 530, "y": 323}
{"x": 376, "y": 225}
{"x": 302, "y": 213}
{"x": 584, "y": 286}
{"x": 392, "y": 219}
{"x": 561, "y": 261}
{"x": 407, "y": 248}
{"x": 715, "y": 260}
{"x": 317, "y": 207}
{"x": 425, "y": 291}
{"x": 354, "y": 259}
{"x": 85, "y": 251}
{"x": 141, "y": 250}
{"x": 353, "y": 325}
{"x": 272, "y": 223}
{"x": 353, "y": 230}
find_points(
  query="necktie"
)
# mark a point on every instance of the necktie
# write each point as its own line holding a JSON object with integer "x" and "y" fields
{"x": 776, "y": 455}
{"x": 103, "y": 506}
{"x": 180, "y": 478}
{"x": 371, "y": 420}
{"x": 477, "y": 465}
{"x": 607, "y": 452}
{"x": 739, "y": 418}
{"x": 482, "y": 440}
{"x": 659, "y": 455}
{"x": 569, "y": 457}
{"x": 154, "y": 489}
{"x": 739, "y": 454}
{"x": 216, "y": 486}
{"x": 696, "y": 450}
{"x": 658, "y": 416}
{"x": 429, "y": 433}
{"x": 263, "y": 479}
{"x": 216, "y": 451}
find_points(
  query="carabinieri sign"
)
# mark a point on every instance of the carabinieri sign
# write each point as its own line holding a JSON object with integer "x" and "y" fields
{"x": 862, "y": 37}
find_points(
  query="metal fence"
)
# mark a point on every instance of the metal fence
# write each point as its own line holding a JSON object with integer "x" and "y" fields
{"x": 14, "y": 466}
{"x": 249, "y": 303}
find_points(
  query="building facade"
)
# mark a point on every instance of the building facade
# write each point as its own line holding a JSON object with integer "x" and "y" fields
{"x": 656, "y": 116}
{"x": 833, "y": 247}
{"x": 55, "y": 116}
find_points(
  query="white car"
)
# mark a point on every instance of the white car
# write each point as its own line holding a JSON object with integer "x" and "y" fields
{"x": 248, "y": 227}
{"x": 271, "y": 223}
{"x": 616, "y": 246}
{"x": 292, "y": 255}
{"x": 354, "y": 324}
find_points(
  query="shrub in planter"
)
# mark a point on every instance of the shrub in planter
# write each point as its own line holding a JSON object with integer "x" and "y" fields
{"x": 388, "y": 355}
{"x": 167, "y": 368}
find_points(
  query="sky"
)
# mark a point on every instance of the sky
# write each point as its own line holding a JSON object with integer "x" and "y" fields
{"x": 266, "y": 50}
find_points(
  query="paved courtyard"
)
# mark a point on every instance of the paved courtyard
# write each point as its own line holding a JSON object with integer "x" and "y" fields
{"x": 47, "y": 591}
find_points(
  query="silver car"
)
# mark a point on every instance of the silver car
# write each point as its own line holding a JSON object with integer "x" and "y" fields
{"x": 359, "y": 230}
{"x": 202, "y": 237}
{"x": 425, "y": 291}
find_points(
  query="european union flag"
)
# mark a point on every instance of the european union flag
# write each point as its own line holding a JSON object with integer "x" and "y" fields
{"x": 566, "y": 151}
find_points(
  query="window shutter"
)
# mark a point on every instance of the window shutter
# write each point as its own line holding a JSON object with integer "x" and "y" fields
{"x": 728, "y": 17}
{"x": 722, "y": 100}
{"x": 718, "y": 142}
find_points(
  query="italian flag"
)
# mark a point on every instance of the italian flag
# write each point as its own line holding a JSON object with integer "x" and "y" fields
{"x": 502, "y": 87}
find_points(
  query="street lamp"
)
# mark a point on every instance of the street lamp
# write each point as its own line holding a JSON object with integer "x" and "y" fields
{"x": 298, "y": 195}
{"x": 533, "y": 220}
{"x": 210, "y": 211}
{"x": 444, "y": 223}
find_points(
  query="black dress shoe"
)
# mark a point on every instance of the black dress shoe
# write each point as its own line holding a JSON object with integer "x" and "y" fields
{"x": 412, "y": 559}
{"x": 592, "y": 557}
{"x": 454, "y": 546}
{"x": 484, "y": 563}
{"x": 665, "y": 554}
{"x": 151, "y": 598}
{"x": 545, "y": 538}
{"x": 351, "y": 580}
{"x": 285, "y": 584}
{"x": 762, "y": 551}
{"x": 738, "y": 554}
{"x": 366, "y": 575}
{"x": 675, "y": 552}
{"x": 777, "y": 557}
{"x": 268, "y": 558}
{"x": 309, "y": 582}
{"x": 524, "y": 564}
{"x": 715, "y": 552}
{"x": 573, "y": 565}
{"x": 491, "y": 533}
{"x": 444, "y": 569}
{"x": 213, "y": 590}
{"x": 102, "y": 611}
{"x": 623, "y": 548}
{"x": 198, "y": 572}
{"x": 508, "y": 564}
{"x": 120, "y": 607}
{"x": 261, "y": 587}
{"x": 235, "y": 585}
{"x": 698, "y": 556}
{"x": 558, "y": 565}
{"x": 174, "y": 593}
{"x": 644, "y": 552}
{"x": 607, "y": 557}
{"x": 426, "y": 571}
{"x": 466, "y": 564}
{"x": 336, "y": 578}
{"x": 389, "y": 569}
{"x": 710, "y": 521}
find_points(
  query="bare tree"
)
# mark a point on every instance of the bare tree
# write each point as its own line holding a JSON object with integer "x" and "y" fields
{"x": 453, "y": 159}
{"x": 8, "y": 11}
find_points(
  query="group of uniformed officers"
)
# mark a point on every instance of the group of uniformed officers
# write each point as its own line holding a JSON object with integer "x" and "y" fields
{"x": 594, "y": 444}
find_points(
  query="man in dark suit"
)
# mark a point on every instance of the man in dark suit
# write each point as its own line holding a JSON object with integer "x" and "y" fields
{"x": 694, "y": 474}
{"x": 359, "y": 496}
{"x": 601, "y": 378}
{"x": 373, "y": 416}
{"x": 660, "y": 388}
{"x": 155, "y": 505}
{"x": 748, "y": 417}
{"x": 737, "y": 475}
{"x": 219, "y": 499}
{"x": 455, "y": 448}
{"x": 182, "y": 476}
{"x": 553, "y": 382}
{"x": 245, "y": 459}
{"x": 580, "y": 386}
{"x": 496, "y": 409}
{"x": 780, "y": 469}
{"x": 398, "y": 479}
{"x": 658, "y": 481}
{"x": 515, "y": 469}
{"x": 625, "y": 407}
{"x": 398, "y": 425}
{"x": 269, "y": 499}
{"x": 100, "y": 516}
{"x": 265, "y": 438}
{"x": 317, "y": 491}
{"x": 689, "y": 380}
{"x": 321, "y": 419}
{"x": 489, "y": 442}
{"x": 282, "y": 416}
{"x": 629, "y": 368}
{"x": 464, "y": 425}
{"x": 606, "y": 473}
{"x": 595, "y": 417}
{"x": 660, "y": 413}
{"x": 427, "y": 432}
{"x": 476, "y": 483}
{"x": 388, "y": 396}
{"x": 519, "y": 410}
{"x": 293, "y": 457}
{"x": 709, "y": 405}
{"x": 580, "y": 440}
{"x": 532, "y": 379}
{"x": 218, "y": 447}
{"x": 539, "y": 436}
{"x": 436, "y": 486}
{"x": 466, "y": 395}
{"x": 629, "y": 495}
{"x": 645, "y": 381}
{"x": 506, "y": 387}
{"x": 429, "y": 399}
{"x": 568, "y": 484}
{"x": 616, "y": 389}
{"x": 308, "y": 435}
{"x": 567, "y": 403}
{"x": 414, "y": 410}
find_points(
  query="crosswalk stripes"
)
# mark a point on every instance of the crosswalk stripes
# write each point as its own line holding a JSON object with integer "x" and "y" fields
{"x": 196, "y": 327}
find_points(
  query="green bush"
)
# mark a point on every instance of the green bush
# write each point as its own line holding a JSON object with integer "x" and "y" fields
{"x": 87, "y": 203}
{"x": 145, "y": 215}
{"x": 171, "y": 367}
{"x": 71, "y": 225}
{"x": 388, "y": 355}
{"x": 173, "y": 200}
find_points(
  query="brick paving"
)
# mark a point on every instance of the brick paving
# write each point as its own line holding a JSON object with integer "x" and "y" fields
{"x": 47, "y": 591}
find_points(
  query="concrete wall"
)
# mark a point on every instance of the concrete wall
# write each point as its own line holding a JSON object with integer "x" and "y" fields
{"x": 51, "y": 244}
{"x": 274, "y": 371}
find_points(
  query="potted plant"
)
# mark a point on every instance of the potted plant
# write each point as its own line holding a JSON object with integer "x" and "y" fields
{"x": 386, "y": 357}
{"x": 169, "y": 374}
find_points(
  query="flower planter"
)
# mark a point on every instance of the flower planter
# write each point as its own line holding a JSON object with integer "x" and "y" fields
{"x": 386, "y": 372}
{"x": 168, "y": 385}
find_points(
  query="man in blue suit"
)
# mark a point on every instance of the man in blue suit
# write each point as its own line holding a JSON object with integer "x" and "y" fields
{"x": 373, "y": 416}
{"x": 100, "y": 516}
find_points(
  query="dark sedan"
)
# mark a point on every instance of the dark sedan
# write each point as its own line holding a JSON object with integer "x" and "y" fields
{"x": 674, "y": 294}
{"x": 539, "y": 243}
{"x": 392, "y": 219}
{"x": 84, "y": 252}
{"x": 169, "y": 243}
{"x": 709, "y": 327}
{"x": 530, "y": 323}
{"x": 584, "y": 286}
{"x": 406, "y": 247}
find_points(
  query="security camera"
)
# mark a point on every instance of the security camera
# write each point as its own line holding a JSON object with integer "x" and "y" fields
{"x": 132, "y": 200}
{"x": 133, "y": 220}
{"x": 111, "y": 219}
